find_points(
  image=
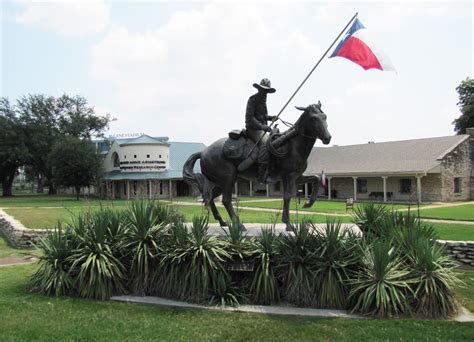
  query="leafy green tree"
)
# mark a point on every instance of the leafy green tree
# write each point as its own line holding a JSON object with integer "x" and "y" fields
{"x": 13, "y": 151}
{"x": 75, "y": 163}
{"x": 49, "y": 119}
{"x": 466, "y": 105}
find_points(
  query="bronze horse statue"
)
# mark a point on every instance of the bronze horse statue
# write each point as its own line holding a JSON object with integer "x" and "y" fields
{"x": 219, "y": 173}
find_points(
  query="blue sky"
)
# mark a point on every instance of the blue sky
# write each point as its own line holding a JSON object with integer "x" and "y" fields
{"x": 185, "y": 69}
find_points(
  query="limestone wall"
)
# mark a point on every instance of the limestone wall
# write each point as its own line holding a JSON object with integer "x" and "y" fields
{"x": 16, "y": 234}
{"x": 461, "y": 251}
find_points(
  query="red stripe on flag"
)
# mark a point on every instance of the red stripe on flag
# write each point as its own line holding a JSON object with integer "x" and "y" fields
{"x": 357, "y": 51}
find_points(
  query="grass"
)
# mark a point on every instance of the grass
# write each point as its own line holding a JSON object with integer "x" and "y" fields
{"x": 6, "y": 250}
{"x": 318, "y": 206}
{"x": 459, "y": 232}
{"x": 27, "y": 316}
{"x": 54, "y": 201}
{"x": 465, "y": 294}
{"x": 463, "y": 212}
{"x": 38, "y": 217}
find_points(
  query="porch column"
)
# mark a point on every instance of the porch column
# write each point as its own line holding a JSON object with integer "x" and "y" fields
{"x": 236, "y": 188}
{"x": 384, "y": 188}
{"x": 250, "y": 189}
{"x": 149, "y": 189}
{"x": 305, "y": 190}
{"x": 128, "y": 189}
{"x": 329, "y": 187}
{"x": 355, "y": 188}
{"x": 113, "y": 190}
{"x": 418, "y": 187}
{"x": 170, "y": 189}
{"x": 267, "y": 190}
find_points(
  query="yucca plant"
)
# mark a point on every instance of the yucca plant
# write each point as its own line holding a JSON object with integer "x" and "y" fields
{"x": 99, "y": 272}
{"x": 435, "y": 280}
{"x": 264, "y": 288}
{"x": 238, "y": 244}
{"x": 368, "y": 216}
{"x": 296, "y": 263}
{"x": 205, "y": 258}
{"x": 408, "y": 235}
{"x": 143, "y": 231}
{"x": 337, "y": 259}
{"x": 224, "y": 292}
{"x": 53, "y": 276}
{"x": 381, "y": 285}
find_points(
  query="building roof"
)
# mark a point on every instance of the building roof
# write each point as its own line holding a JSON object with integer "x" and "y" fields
{"x": 179, "y": 153}
{"x": 393, "y": 157}
{"x": 143, "y": 140}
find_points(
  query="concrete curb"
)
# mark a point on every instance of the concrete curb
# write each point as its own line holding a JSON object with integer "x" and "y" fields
{"x": 262, "y": 309}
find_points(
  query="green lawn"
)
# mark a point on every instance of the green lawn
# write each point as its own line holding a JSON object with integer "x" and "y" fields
{"x": 27, "y": 316}
{"x": 37, "y": 217}
{"x": 454, "y": 231}
{"x": 318, "y": 206}
{"x": 54, "y": 201}
{"x": 463, "y": 212}
{"x": 6, "y": 250}
{"x": 465, "y": 294}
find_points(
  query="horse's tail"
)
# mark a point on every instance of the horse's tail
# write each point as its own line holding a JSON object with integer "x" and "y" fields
{"x": 204, "y": 185}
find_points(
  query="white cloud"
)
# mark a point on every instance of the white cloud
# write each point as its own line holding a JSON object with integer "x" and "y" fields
{"x": 67, "y": 18}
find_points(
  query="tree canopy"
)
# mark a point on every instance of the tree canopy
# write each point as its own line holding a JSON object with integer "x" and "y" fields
{"x": 466, "y": 106}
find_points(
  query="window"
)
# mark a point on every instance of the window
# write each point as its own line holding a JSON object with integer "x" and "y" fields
{"x": 161, "y": 188}
{"x": 457, "y": 185}
{"x": 405, "y": 186}
{"x": 159, "y": 156}
{"x": 277, "y": 186}
{"x": 135, "y": 156}
{"x": 116, "y": 160}
{"x": 148, "y": 156}
{"x": 362, "y": 186}
{"x": 125, "y": 157}
{"x": 148, "y": 187}
{"x": 134, "y": 187}
{"x": 125, "y": 188}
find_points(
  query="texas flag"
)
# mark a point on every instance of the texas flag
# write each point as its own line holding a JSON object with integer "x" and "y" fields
{"x": 359, "y": 48}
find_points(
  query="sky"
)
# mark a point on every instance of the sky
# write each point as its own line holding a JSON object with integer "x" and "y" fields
{"x": 185, "y": 69}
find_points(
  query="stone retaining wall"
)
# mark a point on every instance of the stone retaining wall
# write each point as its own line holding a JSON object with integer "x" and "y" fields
{"x": 461, "y": 251}
{"x": 16, "y": 234}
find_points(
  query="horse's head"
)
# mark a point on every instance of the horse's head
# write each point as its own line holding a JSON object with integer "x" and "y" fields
{"x": 312, "y": 123}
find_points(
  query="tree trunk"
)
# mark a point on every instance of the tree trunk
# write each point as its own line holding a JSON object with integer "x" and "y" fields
{"x": 78, "y": 190}
{"x": 7, "y": 183}
{"x": 52, "y": 189}
{"x": 39, "y": 184}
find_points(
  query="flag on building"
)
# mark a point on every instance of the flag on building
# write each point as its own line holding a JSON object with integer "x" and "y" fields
{"x": 323, "y": 179}
{"x": 360, "y": 49}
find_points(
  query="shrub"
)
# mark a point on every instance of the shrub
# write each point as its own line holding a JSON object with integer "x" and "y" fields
{"x": 224, "y": 292}
{"x": 144, "y": 229}
{"x": 296, "y": 263}
{"x": 368, "y": 216}
{"x": 53, "y": 275}
{"x": 264, "y": 286}
{"x": 337, "y": 259}
{"x": 381, "y": 285}
{"x": 435, "y": 280}
{"x": 99, "y": 272}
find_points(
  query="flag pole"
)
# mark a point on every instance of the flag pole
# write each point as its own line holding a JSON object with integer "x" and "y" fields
{"x": 305, "y": 79}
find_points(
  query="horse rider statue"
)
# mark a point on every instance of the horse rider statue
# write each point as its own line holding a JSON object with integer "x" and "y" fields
{"x": 256, "y": 125}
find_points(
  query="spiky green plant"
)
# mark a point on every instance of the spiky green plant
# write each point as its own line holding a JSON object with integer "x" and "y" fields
{"x": 369, "y": 216}
{"x": 382, "y": 283}
{"x": 264, "y": 288}
{"x": 296, "y": 263}
{"x": 99, "y": 272}
{"x": 224, "y": 292}
{"x": 144, "y": 229}
{"x": 53, "y": 276}
{"x": 337, "y": 259}
{"x": 238, "y": 244}
{"x": 435, "y": 279}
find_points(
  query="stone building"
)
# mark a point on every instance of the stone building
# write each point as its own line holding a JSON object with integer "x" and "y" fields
{"x": 146, "y": 167}
{"x": 424, "y": 170}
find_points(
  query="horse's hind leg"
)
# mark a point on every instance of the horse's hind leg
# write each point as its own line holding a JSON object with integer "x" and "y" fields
{"x": 227, "y": 201}
{"x": 315, "y": 181}
{"x": 216, "y": 213}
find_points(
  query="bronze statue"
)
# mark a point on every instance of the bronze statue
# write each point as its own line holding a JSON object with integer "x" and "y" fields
{"x": 256, "y": 120}
{"x": 290, "y": 150}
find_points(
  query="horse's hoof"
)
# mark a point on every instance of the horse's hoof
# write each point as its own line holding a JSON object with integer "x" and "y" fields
{"x": 288, "y": 228}
{"x": 223, "y": 224}
{"x": 242, "y": 228}
{"x": 308, "y": 205}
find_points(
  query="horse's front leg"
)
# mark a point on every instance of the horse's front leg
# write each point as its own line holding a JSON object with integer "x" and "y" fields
{"x": 315, "y": 181}
{"x": 227, "y": 201}
{"x": 289, "y": 188}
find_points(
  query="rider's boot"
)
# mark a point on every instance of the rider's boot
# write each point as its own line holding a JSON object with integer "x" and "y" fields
{"x": 262, "y": 172}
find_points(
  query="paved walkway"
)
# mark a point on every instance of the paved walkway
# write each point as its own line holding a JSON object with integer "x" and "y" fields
{"x": 253, "y": 229}
{"x": 15, "y": 260}
{"x": 264, "y": 309}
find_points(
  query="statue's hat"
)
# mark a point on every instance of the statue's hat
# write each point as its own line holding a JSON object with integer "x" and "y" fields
{"x": 265, "y": 84}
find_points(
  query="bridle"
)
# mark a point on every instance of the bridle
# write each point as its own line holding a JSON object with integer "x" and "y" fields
{"x": 290, "y": 125}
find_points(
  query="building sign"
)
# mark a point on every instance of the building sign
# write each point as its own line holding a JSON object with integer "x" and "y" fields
{"x": 137, "y": 165}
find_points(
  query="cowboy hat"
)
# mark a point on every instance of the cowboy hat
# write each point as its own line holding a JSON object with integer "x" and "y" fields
{"x": 265, "y": 84}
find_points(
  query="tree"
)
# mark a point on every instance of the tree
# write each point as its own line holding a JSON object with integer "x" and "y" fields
{"x": 75, "y": 163}
{"x": 49, "y": 119}
{"x": 466, "y": 105}
{"x": 13, "y": 151}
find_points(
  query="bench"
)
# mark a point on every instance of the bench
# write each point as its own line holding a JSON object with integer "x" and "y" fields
{"x": 349, "y": 203}
{"x": 379, "y": 195}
